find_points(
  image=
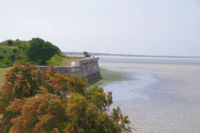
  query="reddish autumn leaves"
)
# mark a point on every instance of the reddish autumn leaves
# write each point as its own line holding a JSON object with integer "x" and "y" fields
{"x": 34, "y": 101}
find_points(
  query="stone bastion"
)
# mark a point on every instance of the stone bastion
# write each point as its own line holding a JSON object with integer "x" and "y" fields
{"x": 87, "y": 68}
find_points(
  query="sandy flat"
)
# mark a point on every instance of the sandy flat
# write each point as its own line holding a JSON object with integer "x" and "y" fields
{"x": 172, "y": 106}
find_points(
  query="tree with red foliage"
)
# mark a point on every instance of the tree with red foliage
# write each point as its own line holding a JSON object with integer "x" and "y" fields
{"x": 34, "y": 101}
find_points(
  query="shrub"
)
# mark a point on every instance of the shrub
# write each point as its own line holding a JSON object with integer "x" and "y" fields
{"x": 86, "y": 54}
{"x": 55, "y": 60}
{"x": 5, "y": 51}
{"x": 8, "y": 62}
{"x": 22, "y": 46}
{"x": 36, "y": 101}
{"x": 1, "y": 57}
{"x": 12, "y": 57}
{"x": 41, "y": 51}
{"x": 17, "y": 42}
{"x": 10, "y": 42}
{"x": 15, "y": 50}
{"x": 19, "y": 57}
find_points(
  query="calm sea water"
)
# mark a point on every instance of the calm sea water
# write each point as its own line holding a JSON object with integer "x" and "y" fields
{"x": 161, "y": 95}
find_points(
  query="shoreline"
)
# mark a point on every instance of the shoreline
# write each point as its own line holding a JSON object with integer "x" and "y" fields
{"x": 108, "y": 76}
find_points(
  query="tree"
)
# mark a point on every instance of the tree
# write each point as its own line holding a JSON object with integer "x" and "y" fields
{"x": 86, "y": 54}
{"x": 21, "y": 81}
{"x": 36, "y": 101}
{"x": 10, "y": 42}
{"x": 40, "y": 51}
{"x": 43, "y": 113}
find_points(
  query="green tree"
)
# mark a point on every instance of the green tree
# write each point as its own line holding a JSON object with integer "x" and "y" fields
{"x": 86, "y": 54}
{"x": 35, "y": 101}
{"x": 17, "y": 42}
{"x": 40, "y": 51}
{"x": 10, "y": 42}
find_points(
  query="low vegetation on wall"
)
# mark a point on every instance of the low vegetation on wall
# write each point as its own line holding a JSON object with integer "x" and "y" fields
{"x": 37, "y": 101}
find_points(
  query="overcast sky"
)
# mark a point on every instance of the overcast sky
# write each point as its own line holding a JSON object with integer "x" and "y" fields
{"x": 149, "y": 27}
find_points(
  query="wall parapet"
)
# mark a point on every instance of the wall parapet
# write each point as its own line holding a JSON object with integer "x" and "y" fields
{"x": 87, "y": 68}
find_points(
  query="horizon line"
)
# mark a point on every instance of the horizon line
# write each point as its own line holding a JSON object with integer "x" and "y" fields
{"x": 135, "y": 55}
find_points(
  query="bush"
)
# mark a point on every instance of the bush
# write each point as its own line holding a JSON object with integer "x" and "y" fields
{"x": 10, "y": 42}
{"x": 15, "y": 50}
{"x": 12, "y": 57}
{"x": 55, "y": 60}
{"x": 8, "y": 63}
{"x": 40, "y": 51}
{"x": 17, "y": 42}
{"x": 34, "y": 101}
{"x": 22, "y": 46}
{"x": 19, "y": 57}
{"x": 5, "y": 51}
{"x": 86, "y": 54}
{"x": 1, "y": 57}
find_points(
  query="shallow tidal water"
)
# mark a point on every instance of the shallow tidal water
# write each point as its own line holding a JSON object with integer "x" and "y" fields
{"x": 161, "y": 95}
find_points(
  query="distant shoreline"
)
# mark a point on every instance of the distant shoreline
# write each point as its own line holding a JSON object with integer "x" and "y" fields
{"x": 131, "y": 55}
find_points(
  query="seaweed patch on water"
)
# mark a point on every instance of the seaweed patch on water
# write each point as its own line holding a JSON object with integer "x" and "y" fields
{"x": 109, "y": 76}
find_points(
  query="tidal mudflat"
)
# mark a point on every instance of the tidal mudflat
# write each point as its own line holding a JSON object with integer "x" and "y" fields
{"x": 161, "y": 95}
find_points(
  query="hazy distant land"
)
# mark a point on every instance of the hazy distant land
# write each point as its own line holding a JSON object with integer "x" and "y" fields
{"x": 131, "y": 55}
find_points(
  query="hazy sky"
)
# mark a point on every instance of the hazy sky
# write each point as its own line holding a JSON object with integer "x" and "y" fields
{"x": 150, "y": 27}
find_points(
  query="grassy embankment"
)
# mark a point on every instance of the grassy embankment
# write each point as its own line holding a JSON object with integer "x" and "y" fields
{"x": 67, "y": 60}
{"x": 14, "y": 54}
{"x": 10, "y": 55}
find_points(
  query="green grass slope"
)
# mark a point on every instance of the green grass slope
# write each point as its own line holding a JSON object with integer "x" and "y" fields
{"x": 10, "y": 55}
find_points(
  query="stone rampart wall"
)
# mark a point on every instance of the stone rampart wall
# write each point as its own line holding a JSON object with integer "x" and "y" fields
{"x": 87, "y": 68}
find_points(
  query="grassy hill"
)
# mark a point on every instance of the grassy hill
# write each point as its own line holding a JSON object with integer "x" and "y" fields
{"x": 12, "y": 52}
{"x": 10, "y": 55}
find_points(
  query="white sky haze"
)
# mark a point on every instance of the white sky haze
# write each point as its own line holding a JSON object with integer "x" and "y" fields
{"x": 144, "y": 27}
